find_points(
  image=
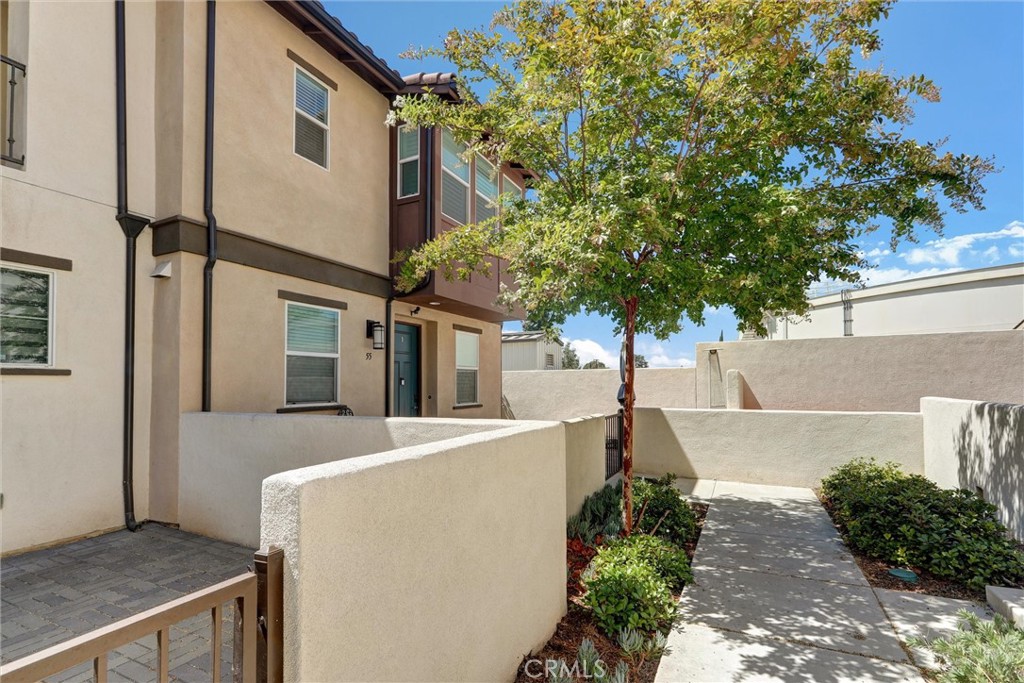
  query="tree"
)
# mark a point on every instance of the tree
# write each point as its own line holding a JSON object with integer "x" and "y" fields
{"x": 570, "y": 360}
{"x": 721, "y": 336}
{"x": 687, "y": 153}
{"x": 594, "y": 365}
{"x": 639, "y": 361}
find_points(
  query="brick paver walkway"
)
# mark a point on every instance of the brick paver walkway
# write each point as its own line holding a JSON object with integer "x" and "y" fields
{"x": 49, "y": 596}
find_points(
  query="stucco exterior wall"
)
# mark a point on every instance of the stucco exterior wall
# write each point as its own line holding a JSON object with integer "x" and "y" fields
{"x": 547, "y": 395}
{"x": 458, "y": 548}
{"x": 786, "y": 448}
{"x": 974, "y": 445}
{"x": 584, "y": 460}
{"x": 865, "y": 373}
{"x": 225, "y": 457}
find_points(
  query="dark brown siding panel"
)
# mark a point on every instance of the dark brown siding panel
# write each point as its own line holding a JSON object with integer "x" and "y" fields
{"x": 311, "y": 300}
{"x": 463, "y": 328}
{"x": 312, "y": 69}
{"x": 58, "y": 372}
{"x": 178, "y": 233}
{"x": 37, "y": 260}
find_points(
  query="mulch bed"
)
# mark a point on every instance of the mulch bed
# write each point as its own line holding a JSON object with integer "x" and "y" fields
{"x": 578, "y": 622}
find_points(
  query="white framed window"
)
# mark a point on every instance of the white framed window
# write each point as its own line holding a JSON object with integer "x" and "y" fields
{"x": 454, "y": 179}
{"x": 467, "y": 368}
{"x": 508, "y": 186}
{"x": 408, "y": 161}
{"x": 486, "y": 189}
{"x": 312, "y": 119}
{"x": 312, "y": 351}
{"x": 26, "y": 316}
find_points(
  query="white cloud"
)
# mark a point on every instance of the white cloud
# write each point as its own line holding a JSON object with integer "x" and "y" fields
{"x": 992, "y": 254}
{"x": 946, "y": 251}
{"x": 1016, "y": 250}
{"x": 658, "y": 356}
{"x": 882, "y": 276}
{"x": 877, "y": 253}
{"x": 588, "y": 350}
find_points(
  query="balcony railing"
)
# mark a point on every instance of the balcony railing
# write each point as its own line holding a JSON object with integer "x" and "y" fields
{"x": 14, "y": 73}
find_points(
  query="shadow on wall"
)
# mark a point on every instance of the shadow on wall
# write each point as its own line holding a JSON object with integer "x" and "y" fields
{"x": 989, "y": 445}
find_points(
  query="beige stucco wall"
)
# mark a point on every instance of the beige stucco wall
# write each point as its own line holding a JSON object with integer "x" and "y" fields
{"x": 787, "y": 448}
{"x": 565, "y": 394}
{"x": 450, "y": 556}
{"x": 974, "y": 445}
{"x": 865, "y": 373}
{"x": 61, "y": 435}
{"x": 225, "y": 457}
{"x": 584, "y": 460}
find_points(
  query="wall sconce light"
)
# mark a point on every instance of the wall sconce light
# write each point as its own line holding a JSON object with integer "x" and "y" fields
{"x": 375, "y": 331}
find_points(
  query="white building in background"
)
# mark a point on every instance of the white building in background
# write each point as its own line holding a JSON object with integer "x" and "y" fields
{"x": 530, "y": 351}
{"x": 967, "y": 301}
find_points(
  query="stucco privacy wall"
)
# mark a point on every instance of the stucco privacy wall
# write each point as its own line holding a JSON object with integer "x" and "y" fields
{"x": 888, "y": 373}
{"x": 225, "y": 457}
{"x": 565, "y": 394}
{"x": 439, "y": 562}
{"x": 788, "y": 448}
{"x": 974, "y": 445}
{"x": 584, "y": 460}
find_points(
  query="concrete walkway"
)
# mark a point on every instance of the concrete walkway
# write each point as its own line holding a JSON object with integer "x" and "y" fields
{"x": 777, "y": 597}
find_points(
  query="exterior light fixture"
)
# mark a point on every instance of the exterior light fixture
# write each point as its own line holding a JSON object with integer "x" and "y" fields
{"x": 375, "y": 331}
{"x": 435, "y": 303}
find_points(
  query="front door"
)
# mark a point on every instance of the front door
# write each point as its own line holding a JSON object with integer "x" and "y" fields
{"x": 407, "y": 370}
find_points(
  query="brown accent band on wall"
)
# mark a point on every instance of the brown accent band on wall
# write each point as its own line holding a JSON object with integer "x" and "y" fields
{"x": 463, "y": 328}
{"x": 333, "y": 407}
{"x": 312, "y": 69}
{"x": 37, "y": 260}
{"x": 311, "y": 300}
{"x": 185, "y": 234}
{"x": 35, "y": 371}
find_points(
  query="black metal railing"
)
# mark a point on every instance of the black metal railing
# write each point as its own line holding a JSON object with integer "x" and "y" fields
{"x": 612, "y": 445}
{"x": 11, "y": 75}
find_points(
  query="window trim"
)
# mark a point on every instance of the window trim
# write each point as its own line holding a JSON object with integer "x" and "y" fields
{"x": 476, "y": 339}
{"x": 469, "y": 187}
{"x": 496, "y": 202}
{"x": 309, "y": 354}
{"x": 403, "y": 160}
{"x": 326, "y": 126}
{"x": 51, "y": 330}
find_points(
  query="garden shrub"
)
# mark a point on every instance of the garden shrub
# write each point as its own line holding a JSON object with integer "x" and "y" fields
{"x": 668, "y": 560}
{"x": 659, "y": 509}
{"x": 601, "y": 515}
{"x": 989, "y": 651}
{"x": 628, "y": 594}
{"x": 907, "y": 519}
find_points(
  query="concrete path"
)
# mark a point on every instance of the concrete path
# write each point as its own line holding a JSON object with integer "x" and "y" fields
{"x": 777, "y": 597}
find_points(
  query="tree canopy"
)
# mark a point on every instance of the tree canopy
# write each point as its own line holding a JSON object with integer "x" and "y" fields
{"x": 594, "y": 364}
{"x": 570, "y": 359}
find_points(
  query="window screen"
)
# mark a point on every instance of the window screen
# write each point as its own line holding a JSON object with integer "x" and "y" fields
{"x": 25, "y": 317}
{"x": 311, "y": 119}
{"x": 312, "y": 355}
{"x": 467, "y": 367}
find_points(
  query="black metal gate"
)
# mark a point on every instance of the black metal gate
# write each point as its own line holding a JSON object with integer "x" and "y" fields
{"x": 612, "y": 445}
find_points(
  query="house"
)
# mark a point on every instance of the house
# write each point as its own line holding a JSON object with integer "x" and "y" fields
{"x": 965, "y": 301}
{"x": 201, "y": 206}
{"x": 530, "y": 351}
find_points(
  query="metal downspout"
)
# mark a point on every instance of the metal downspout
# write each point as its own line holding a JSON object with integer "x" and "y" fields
{"x": 211, "y": 219}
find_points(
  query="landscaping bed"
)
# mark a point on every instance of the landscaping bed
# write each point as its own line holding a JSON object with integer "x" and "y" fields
{"x": 581, "y": 622}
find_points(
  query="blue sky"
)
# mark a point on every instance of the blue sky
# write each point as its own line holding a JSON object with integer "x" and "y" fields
{"x": 971, "y": 50}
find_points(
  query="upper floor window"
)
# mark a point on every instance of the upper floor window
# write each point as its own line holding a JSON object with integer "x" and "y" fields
{"x": 454, "y": 179}
{"x": 467, "y": 368}
{"x": 507, "y": 186}
{"x": 312, "y": 120}
{"x": 26, "y": 317}
{"x": 312, "y": 349}
{"x": 408, "y": 161}
{"x": 486, "y": 189}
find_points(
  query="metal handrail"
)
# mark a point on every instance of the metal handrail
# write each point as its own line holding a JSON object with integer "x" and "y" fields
{"x": 13, "y": 66}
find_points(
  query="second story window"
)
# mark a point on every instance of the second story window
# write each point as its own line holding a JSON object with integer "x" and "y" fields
{"x": 26, "y": 317}
{"x": 312, "y": 121}
{"x": 454, "y": 179}
{"x": 486, "y": 189}
{"x": 408, "y": 161}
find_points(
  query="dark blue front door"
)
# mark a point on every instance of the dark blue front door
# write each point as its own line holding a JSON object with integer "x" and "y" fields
{"x": 407, "y": 370}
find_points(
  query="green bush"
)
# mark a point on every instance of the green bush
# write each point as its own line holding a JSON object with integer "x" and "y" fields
{"x": 601, "y": 515}
{"x": 628, "y": 594}
{"x": 989, "y": 651}
{"x": 659, "y": 509}
{"x": 908, "y": 520}
{"x": 669, "y": 561}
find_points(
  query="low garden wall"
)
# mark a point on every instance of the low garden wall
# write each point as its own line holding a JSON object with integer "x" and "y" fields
{"x": 788, "y": 448}
{"x": 226, "y": 456}
{"x": 978, "y": 446}
{"x": 584, "y": 460}
{"x": 438, "y": 562}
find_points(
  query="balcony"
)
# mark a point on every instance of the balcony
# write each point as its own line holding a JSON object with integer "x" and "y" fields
{"x": 12, "y": 109}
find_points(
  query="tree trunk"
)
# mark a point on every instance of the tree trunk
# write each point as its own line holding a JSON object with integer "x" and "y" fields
{"x": 627, "y": 418}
